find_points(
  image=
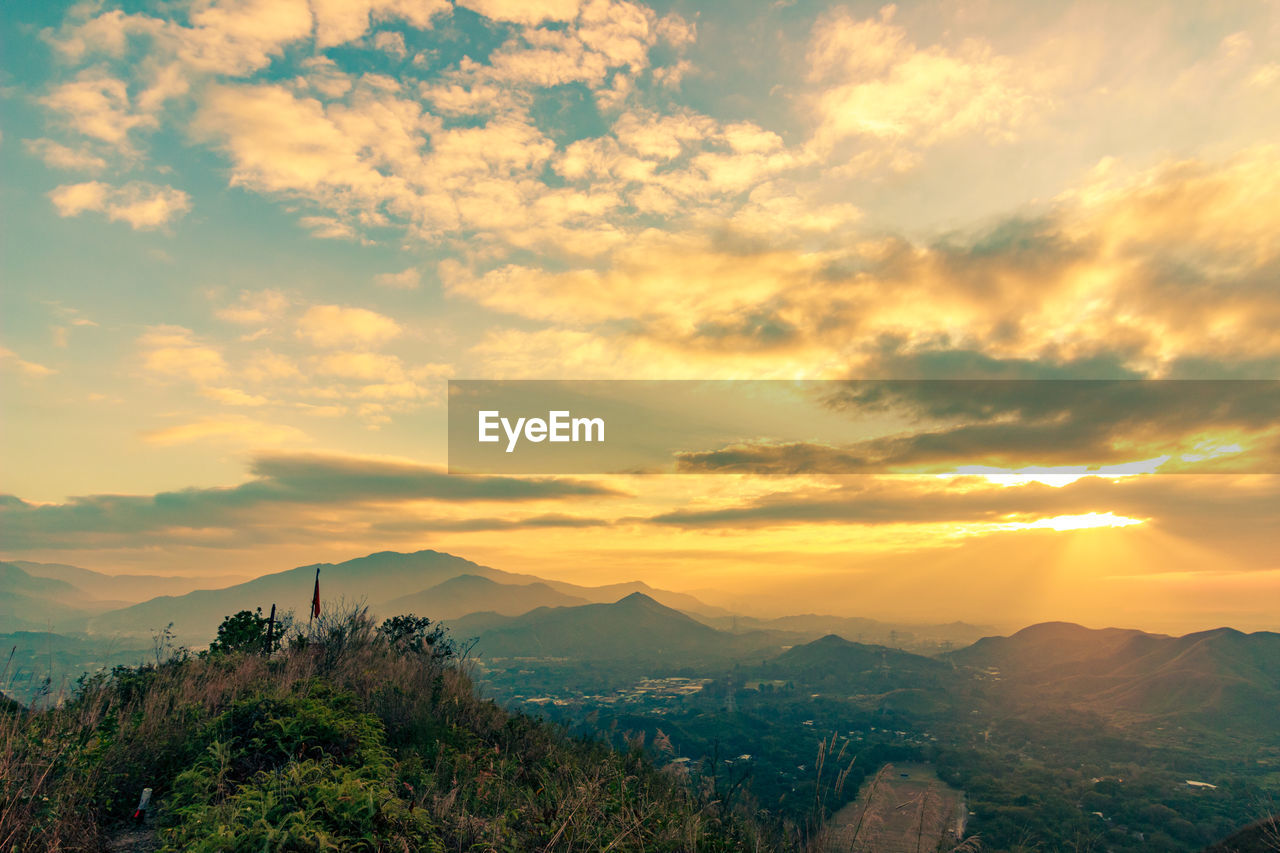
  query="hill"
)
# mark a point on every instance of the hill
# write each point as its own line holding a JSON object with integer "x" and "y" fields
{"x": 376, "y": 579}
{"x": 634, "y": 628}
{"x": 1220, "y": 677}
{"x": 836, "y": 663}
{"x": 811, "y": 626}
{"x": 466, "y": 594}
{"x": 124, "y": 588}
{"x": 349, "y": 739}
{"x": 30, "y": 603}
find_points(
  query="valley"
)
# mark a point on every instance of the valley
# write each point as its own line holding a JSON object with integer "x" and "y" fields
{"x": 1056, "y": 736}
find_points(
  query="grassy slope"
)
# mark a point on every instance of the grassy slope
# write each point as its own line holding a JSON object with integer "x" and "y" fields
{"x": 345, "y": 745}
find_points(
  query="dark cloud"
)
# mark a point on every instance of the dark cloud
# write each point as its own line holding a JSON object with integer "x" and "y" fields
{"x": 311, "y": 477}
{"x": 279, "y": 503}
{"x": 1230, "y": 513}
{"x": 1016, "y": 424}
{"x": 470, "y": 525}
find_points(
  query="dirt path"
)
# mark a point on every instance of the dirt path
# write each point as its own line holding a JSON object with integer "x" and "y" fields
{"x": 134, "y": 839}
{"x": 904, "y": 808}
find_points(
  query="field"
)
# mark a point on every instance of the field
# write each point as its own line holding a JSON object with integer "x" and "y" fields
{"x": 904, "y": 808}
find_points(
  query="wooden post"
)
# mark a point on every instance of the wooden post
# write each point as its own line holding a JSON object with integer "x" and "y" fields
{"x": 271, "y": 629}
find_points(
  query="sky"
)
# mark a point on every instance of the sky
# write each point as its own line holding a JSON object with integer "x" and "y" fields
{"x": 248, "y": 243}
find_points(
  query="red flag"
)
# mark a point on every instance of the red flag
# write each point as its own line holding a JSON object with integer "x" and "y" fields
{"x": 315, "y": 597}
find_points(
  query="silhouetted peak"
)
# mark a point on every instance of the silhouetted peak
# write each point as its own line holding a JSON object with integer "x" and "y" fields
{"x": 639, "y": 599}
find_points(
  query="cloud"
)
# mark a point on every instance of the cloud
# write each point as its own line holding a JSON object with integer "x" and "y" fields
{"x": 673, "y": 282}
{"x": 1159, "y": 272}
{"x": 175, "y": 352}
{"x": 1015, "y": 425}
{"x": 475, "y": 525}
{"x": 290, "y": 498}
{"x": 391, "y": 43}
{"x": 343, "y": 21}
{"x": 254, "y": 308}
{"x": 361, "y": 365}
{"x": 337, "y": 325}
{"x": 97, "y": 105}
{"x": 269, "y": 366}
{"x": 880, "y": 88}
{"x": 405, "y": 280}
{"x": 521, "y": 12}
{"x": 10, "y": 360}
{"x": 235, "y": 397}
{"x": 233, "y": 430}
{"x": 1214, "y": 510}
{"x": 281, "y": 143}
{"x": 144, "y": 206}
{"x": 328, "y": 228}
{"x": 306, "y": 476}
{"x": 59, "y": 156}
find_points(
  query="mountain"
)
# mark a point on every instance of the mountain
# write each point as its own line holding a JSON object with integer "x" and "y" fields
{"x": 810, "y": 626}
{"x": 612, "y": 592}
{"x": 633, "y": 628}
{"x": 376, "y": 580}
{"x": 466, "y": 594}
{"x": 1049, "y": 647}
{"x": 835, "y": 663}
{"x": 1222, "y": 677}
{"x": 35, "y": 603}
{"x": 346, "y": 755}
{"x": 122, "y": 588}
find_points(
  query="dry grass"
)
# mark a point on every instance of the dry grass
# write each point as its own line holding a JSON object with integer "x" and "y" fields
{"x": 484, "y": 778}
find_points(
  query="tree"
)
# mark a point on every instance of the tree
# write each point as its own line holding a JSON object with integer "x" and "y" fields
{"x": 419, "y": 635}
{"x": 245, "y": 631}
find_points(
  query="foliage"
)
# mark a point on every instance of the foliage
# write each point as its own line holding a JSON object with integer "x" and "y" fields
{"x": 245, "y": 631}
{"x": 350, "y": 738}
{"x": 418, "y": 635}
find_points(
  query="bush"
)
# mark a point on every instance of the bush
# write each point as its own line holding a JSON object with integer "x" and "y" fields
{"x": 351, "y": 738}
{"x": 418, "y": 635}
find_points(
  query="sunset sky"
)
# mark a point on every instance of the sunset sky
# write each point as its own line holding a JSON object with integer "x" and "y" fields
{"x": 247, "y": 244}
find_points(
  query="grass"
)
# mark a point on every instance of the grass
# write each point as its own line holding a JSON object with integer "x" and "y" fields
{"x": 350, "y": 738}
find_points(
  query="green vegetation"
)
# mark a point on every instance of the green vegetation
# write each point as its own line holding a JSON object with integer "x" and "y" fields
{"x": 351, "y": 737}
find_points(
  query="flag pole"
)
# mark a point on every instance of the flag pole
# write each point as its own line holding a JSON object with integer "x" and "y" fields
{"x": 315, "y": 601}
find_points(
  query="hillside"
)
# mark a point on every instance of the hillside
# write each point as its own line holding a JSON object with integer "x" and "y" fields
{"x": 835, "y": 663}
{"x": 349, "y": 739}
{"x": 1221, "y": 677}
{"x": 635, "y": 628}
{"x": 466, "y": 594}
{"x": 1260, "y": 837}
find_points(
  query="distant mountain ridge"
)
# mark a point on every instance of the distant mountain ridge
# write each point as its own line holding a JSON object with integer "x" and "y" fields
{"x": 467, "y": 594}
{"x": 1204, "y": 675}
{"x": 635, "y": 628}
{"x": 376, "y": 579}
{"x": 124, "y": 587}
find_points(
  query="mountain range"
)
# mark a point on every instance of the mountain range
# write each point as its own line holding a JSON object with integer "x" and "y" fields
{"x": 1124, "y": 674}
{"x": 1208, "y": 676}
{"x": 386, "y": 582}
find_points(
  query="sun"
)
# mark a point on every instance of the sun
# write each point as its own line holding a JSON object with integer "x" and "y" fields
{"x": 1075, "y": 522}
